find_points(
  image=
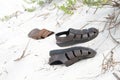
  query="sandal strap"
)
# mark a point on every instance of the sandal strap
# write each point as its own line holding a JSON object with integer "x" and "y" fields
{"x": 71, "y": 34}
{"x": 40, "y": 34}
{"x": 68, "y": 36}
{"x": 45, "y": 33}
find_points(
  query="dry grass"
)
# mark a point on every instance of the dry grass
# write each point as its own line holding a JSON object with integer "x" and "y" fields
{"x": 109, "y": 62}
{"x": 24, "y": 51}
{"x": 116, "y": 76}
{"x": 113, "y": 22}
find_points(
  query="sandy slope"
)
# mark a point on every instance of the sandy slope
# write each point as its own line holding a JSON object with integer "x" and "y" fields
{"x": 13, "y": 40}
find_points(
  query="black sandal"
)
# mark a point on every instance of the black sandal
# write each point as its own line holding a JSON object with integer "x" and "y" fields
{"x": 70, "y": 55}
{"x": 73, "y": 36}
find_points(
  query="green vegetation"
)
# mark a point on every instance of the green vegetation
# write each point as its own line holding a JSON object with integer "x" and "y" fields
{"x": 5, "y": 18}
{"x": 95, "y": 2}
{"x": 38, "y": 2}
{"x": 8, "y": 17}
{"x": 30, "y": 1}
{"x": 32, "y": 9}
{"x": 68, "y": 7}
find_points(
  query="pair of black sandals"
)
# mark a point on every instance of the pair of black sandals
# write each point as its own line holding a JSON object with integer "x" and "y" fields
{"x": 71, "y": 55}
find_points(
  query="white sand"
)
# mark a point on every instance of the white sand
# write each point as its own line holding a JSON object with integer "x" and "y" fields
{"x": 13, "y": 40}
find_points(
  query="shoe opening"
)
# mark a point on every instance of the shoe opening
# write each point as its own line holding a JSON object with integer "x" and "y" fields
{"x": 56, "y": 63}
